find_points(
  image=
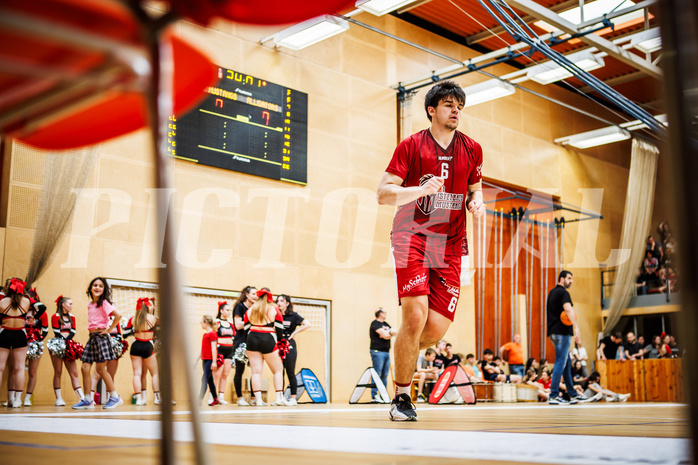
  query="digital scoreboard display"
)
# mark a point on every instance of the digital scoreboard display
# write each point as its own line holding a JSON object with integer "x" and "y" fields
{"x": 246, "y": 124}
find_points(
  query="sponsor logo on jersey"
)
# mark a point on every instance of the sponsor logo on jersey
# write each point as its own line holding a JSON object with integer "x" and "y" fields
{"x": 445, "y": 158}
{"x": 438, "y": 201}
{"x": 414, "y": 282}
{"x": 479, "y": 169}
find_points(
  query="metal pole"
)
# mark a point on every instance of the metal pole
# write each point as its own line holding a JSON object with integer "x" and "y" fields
{"x": 496, "y": 284}
{"x": 528, "y": 297}
{"x": 159, "y": 98}
{"x": 501, "y": 265}
{"x": 512, "y": 297}
{"x": 547, "y": 263}
{"x": 516, "y": 266}
{"x": 542, "y": 306}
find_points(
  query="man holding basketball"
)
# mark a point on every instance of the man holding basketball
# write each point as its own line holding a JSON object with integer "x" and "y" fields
{"x": 562, "y": 325}
{"x": 433, "y": 178}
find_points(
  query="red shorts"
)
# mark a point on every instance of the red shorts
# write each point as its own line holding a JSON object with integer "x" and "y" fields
{"x": 420, "y": 272}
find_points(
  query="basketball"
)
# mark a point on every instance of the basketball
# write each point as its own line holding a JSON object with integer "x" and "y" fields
{"x": 565, "y": 319}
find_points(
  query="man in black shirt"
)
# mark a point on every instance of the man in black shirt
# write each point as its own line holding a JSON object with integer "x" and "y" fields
{"x": 608, "y": 347}
{"x": 380, "y": 334}
{"x": 562, "y": 325}
{"x": 633, "y": 348}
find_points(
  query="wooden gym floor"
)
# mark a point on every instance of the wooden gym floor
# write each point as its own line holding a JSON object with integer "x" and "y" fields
{"x": 339, "y": 434}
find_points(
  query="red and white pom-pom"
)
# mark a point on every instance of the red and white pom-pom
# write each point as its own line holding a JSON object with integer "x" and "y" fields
{"x": 124, "y": 343}
{"x": 220, "y": 359}
{"x": 283, "y": 346}
{"x": 33, "y": 334}
{"x": 73, "y": 350}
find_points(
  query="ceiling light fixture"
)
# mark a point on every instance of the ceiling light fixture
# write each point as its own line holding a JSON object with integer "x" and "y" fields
{"x": 310, "y": 32}
{"x": 381, "y": 7}
{"x": 594, "y": 138}
{"x": 486, "y": 91}
{"x": 550, "y": 72}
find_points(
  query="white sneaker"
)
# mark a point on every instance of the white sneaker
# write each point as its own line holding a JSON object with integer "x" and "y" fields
{"x": 59, "y": 403}
{"x": 242, "y": 402}
{"x": 292, "y": 402}
{"x": 262, "y": 404}
{"x": 210, "y": 397}
{"x": 222, "y": 401}
{"x": 623, "y": 397}
{"x": 280, "y": 402}
{"x": 140, "y": 402}
{"x": 253, "y": 402}
{"x": 27, "y": 401}
{"x": 17, "y": 403}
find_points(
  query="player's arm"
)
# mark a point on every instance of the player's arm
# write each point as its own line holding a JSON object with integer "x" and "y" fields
{"x": 573, "y": 319}
{"x": 475, "y": 203}
{"x": 384, "y": 333}
{"x": 392, "y": 192}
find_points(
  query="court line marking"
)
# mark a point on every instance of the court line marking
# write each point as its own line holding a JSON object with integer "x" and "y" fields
{"x": 66, "y": 448}
{"x": 508, "y": 447}
{"x": 373, "y": 408}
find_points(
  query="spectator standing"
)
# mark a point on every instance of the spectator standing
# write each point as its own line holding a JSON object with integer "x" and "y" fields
{"x": 654, "y": 249}
{"x": 633, "y": 349}
{"x": 380, "y": 333}
{"x": 608, "y": 347}
{"x": 561, "y": 333}
{"x": 512, "y": 352}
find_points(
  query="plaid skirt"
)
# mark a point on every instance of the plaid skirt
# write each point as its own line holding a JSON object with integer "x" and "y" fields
{"x": 98, "y": 349}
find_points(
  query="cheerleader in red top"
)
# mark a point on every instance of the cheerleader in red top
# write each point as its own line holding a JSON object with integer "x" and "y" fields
{"x": 143, "y": 327}
{"x": 209, "y": 356}
{"x": 63, "y": 325}
{"x": 225, "y": 331}
{"x": 37, "y": 330}
{"x": 13, "y": 337}
{"x": 265, "y": 326}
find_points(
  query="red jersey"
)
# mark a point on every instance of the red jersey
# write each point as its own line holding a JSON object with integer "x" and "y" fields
{"x": 206, "y": 352}
{"x": 439, "y": 216}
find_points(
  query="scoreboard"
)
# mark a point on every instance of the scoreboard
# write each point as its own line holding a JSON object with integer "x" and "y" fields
{"x": 246, "y": 124}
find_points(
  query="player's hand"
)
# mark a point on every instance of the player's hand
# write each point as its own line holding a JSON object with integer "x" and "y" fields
{"x": 476, "y": 207}
{"x": 432, "y": 185}
{"x": 578, "y": 339}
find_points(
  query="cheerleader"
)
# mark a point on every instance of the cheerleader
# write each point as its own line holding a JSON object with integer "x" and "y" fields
{"x": 225, "y": 331}
{"x": 98, "y": 348}
{"x": 247, "y": 297}
{"x": 143, "y": 326}
{"x": 265, "y": 325}
{"x": 293, "y": 325}
{"x": 13, "y": 313}
{"x": 112, "y": 365}
{"x": 209, "y": 355}
{"x": 37, "y": 330}
{"x": 63, "y": 326}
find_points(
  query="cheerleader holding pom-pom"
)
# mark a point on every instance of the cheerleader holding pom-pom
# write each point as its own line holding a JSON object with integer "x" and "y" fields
{"x": 14, "y": 307}
{"x": 37, "y": 330}
{"x": 99, "y": 348}
{"x": 63, "y": 325}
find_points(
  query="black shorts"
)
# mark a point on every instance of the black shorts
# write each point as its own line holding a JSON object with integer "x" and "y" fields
{"x": 142, "y": 349}
{"x": 226, "y": 351}
{"x": 261, "y": 342}
{"x": 13, "y": 338}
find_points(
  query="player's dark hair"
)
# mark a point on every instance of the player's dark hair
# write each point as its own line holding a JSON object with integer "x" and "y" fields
{"x": 379, "y": 311}
{"x": 429, "y": 351}
{"x": 289, "y": 308}
{"x": 594, "y": 375}
{"x": 563, "y": 274}
{"x": 441, "y": 91}
{"x": 243, "y": 294}
{"x": 488, "y": 352}
{"x": 469, "y": 356}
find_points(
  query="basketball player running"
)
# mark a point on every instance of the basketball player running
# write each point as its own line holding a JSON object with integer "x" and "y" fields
{"x": 433, "y": 177}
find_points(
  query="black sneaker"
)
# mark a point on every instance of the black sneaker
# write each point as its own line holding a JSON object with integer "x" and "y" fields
{"x": 558, "y": 400}
{"x": 402, "y": 409}
{"x": 579, "y": 399}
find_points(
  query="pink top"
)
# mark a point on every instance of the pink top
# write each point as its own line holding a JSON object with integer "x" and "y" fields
{"x": 98, "y": 317}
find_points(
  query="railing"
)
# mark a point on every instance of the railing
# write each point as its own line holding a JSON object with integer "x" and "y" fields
{"x": 638, "y": 300}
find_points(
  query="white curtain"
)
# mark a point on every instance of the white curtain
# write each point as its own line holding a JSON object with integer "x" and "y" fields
{"x": 636, "y": 224}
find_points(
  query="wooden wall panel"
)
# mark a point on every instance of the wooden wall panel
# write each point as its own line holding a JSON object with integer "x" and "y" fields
{"x": 657, "y": 380}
